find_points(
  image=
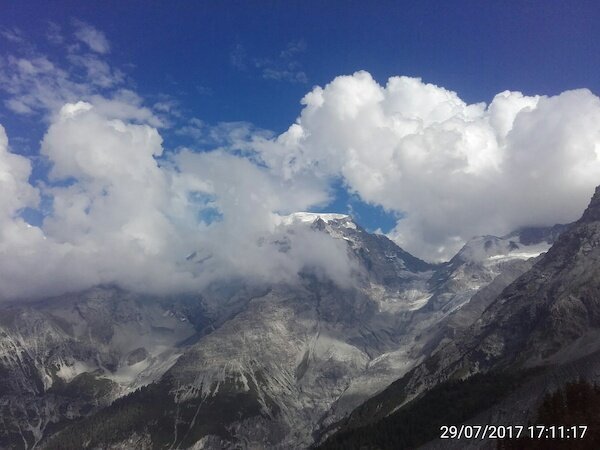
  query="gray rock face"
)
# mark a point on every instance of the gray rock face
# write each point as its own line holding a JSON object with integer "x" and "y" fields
{"x": 244, "y": 365}
{"x": 546, "y": 315}
{"x": 136, "y": 356}
{"x": 547, "y": 318}
{"x": 65, "y": 358}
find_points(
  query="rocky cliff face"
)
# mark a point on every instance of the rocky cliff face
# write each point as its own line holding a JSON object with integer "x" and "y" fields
{"x": 66, "y": 357}
{"x": 270, "y": 365}
{"x": 550, "y": 314}
{"x": 547, "y": 319}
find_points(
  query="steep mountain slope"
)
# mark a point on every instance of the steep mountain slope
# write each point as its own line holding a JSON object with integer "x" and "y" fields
{"x": 291, "y": 352}
{"x": 547, "y": 318}
{"x": 295, "y": 359}
{"x": 459, "y": 291}
{"x": 63, "y": 358}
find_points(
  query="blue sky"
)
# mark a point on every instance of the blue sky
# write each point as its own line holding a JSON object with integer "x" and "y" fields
{"x": 254, "y": 61}
{"x": 475, "y": 48}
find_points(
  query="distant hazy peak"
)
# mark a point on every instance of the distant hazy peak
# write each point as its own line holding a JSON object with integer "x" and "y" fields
{"x": 493, "y": 248}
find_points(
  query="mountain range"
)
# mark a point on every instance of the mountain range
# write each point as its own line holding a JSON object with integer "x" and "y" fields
{"x": 312, "y": 363}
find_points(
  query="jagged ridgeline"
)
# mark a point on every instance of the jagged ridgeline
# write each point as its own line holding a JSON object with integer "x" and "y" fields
{"x": 541, "y": 331}
{"x": 381, "y": 362}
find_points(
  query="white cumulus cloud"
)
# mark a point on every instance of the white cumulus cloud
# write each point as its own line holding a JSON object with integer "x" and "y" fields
{"x": 452, "y": 169}
{"x": 118, "y": 216}
{"x": 123, "y": 210}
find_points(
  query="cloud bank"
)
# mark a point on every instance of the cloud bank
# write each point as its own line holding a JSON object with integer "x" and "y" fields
{"x": 119, "y": 217}
{"x": 121, "y": 208}
{"x": 453, "y": 170}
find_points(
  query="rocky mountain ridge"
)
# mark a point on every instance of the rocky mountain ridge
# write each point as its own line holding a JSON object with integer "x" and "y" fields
{"x": 297, "y": 358}
{"x": 546, "y": 321}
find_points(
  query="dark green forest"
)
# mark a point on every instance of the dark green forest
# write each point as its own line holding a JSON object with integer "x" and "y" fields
{"x": 576, "y": 403}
